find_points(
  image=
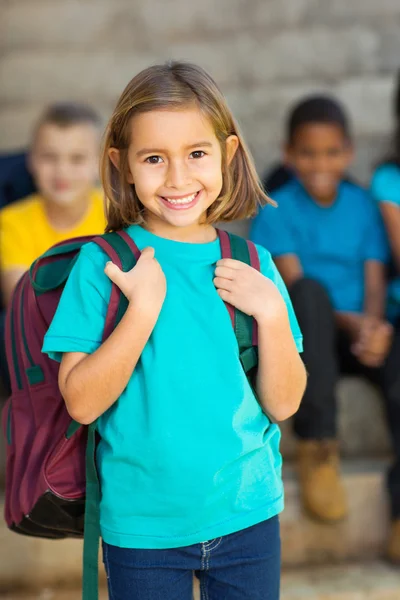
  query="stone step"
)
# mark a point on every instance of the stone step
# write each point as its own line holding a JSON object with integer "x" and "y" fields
{"x": 35, "y": 562}
{"x": 361, "y": 536}
{"x": 362, "y": 427}
{"x": 367, "y": 581}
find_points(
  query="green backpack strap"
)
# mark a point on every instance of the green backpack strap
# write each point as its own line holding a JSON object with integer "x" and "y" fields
{"x": 233, "y": 246}
{"x": 123, "y": 251}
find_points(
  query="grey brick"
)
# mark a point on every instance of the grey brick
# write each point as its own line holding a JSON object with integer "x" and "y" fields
{"x": 285, "y": 13}
{"x": 346, "y": 10}
{"x": 368, "y": 100}
{"x": 177, "y": 19}
{"x": 369, "y": 151}
{"x": 316, "y": 52}
{"x": 39, "y": 23}
{"x": 91, "y": 76}
{"x": 16, "y": 124}
{"x": 389, "y": 49}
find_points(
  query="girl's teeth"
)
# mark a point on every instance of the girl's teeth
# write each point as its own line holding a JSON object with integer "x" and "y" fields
{"x": 186, "y": 200}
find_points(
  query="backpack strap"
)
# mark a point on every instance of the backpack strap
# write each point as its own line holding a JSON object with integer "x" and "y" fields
{"x": 246, "y": 331}
{"x": 122, "y": 250}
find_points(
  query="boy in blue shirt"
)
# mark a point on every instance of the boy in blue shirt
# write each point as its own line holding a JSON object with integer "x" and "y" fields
{"x": 328, "y": 243}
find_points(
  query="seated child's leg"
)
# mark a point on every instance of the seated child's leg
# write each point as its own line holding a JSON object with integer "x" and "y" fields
{"x": 391, "y": 392}
{"x": 316, "y": 418}
{"x": 321, "y": 489}
{"x": 150, "y": 574}
{"x": 244, "y": 565}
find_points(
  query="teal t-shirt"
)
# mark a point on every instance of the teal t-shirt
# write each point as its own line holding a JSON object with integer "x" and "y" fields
{"x": 186, "y": 454}
{"x": 385, "y": 187}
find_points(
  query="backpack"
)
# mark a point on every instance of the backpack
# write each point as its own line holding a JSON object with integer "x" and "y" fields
{"x": 52, "y": 488}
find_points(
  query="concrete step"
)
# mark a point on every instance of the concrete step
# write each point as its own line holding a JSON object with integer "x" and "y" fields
{"x": 363, "y": 431}
{"x": 368, "y": 581}
{"x": 361, "y": 536}
{"x": 34, "y": 562}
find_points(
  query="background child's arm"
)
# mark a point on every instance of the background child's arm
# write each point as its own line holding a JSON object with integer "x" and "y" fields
{"x": 391, "y": 217}
{"x": 9, "y": 280}
{"x": 91, "y": 383}
{"x": 290, "y": 268}
{"x": 375, "y": 289}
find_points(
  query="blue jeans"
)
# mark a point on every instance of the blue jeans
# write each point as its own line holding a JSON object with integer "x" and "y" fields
{"x": 240, "y": 566}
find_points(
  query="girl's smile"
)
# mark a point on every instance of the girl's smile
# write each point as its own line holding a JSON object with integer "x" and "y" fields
{"x": 181, "y": 202}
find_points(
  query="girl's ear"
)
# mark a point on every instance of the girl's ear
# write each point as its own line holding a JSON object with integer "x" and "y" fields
{"x": 115, "y": 156}
{"x": 232, "y": 144}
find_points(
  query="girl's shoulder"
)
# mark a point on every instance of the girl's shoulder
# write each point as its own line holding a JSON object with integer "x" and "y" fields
{"x": 93, "y": 253}
{"x": 267, "y": 266}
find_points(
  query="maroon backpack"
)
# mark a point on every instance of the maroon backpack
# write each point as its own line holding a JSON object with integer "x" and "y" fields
{"x": 52, "y": 489}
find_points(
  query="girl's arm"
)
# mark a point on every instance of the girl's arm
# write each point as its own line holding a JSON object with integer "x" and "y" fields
{"x": 281, "y": 378}
{"x": 91, "y": 383}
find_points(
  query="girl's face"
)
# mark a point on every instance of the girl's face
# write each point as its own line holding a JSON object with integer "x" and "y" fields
{"x": 320, "y": 154}
{"x": 175, "y": 164}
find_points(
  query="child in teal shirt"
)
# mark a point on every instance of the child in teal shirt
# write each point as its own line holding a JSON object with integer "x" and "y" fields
{"x": 188, "y": 459}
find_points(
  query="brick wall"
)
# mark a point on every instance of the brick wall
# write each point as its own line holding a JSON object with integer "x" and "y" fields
{"x": 264, "y": 54}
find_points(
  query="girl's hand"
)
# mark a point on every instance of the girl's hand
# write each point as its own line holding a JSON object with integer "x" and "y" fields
{"x": 248, "y": 290}
{"x": 144, "y": 286}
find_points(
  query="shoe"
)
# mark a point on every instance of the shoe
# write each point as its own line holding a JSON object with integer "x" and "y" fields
{"x": 322, "y": 492}
{"x": 393, "y": 547}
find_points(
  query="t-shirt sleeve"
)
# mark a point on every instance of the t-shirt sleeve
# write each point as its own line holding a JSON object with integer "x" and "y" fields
{"x": 376, "y": 243}
{"x": 271, "y": 229}
{"x": 385, "y": 184}
{"x": 15, "y": 248}
{"x": 79, "y": 320}
{"x": 268, "y": 269}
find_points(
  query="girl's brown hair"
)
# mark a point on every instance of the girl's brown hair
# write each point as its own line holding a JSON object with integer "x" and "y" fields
{"x": 172, "y": 86}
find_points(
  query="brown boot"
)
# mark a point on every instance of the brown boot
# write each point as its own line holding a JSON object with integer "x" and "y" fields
{"x": 393, "y": 547}
{"x": 322, "y": 491}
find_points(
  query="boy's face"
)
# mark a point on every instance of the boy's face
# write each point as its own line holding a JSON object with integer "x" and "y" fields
{"x": 320, "y": 154}
{"x": 64, "y": 162}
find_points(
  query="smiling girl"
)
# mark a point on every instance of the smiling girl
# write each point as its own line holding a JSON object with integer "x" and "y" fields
{"x": 188, "y": 458}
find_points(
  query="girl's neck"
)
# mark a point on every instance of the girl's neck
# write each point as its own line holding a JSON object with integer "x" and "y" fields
{"x": 193, "y": 234}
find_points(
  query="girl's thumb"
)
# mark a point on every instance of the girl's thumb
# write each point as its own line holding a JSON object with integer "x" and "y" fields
{"x": 113, "y": 272}
{"x": 147, "y": 253}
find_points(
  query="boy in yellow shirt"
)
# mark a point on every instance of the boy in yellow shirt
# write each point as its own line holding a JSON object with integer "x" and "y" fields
{"x": 64, "y": 164}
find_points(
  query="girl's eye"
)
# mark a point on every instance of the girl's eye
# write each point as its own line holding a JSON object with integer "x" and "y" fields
{"x": 198, "y": 154}
{"x": 154, "y": 160}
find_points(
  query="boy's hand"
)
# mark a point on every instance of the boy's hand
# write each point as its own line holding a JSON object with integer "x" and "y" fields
{"x": 144, "y": 286}
{"x": 373, "y": 341}
{"x": 248, "y": 290}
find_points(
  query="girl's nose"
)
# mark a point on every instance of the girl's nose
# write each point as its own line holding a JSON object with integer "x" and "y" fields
{"x": 178, "y": 175}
